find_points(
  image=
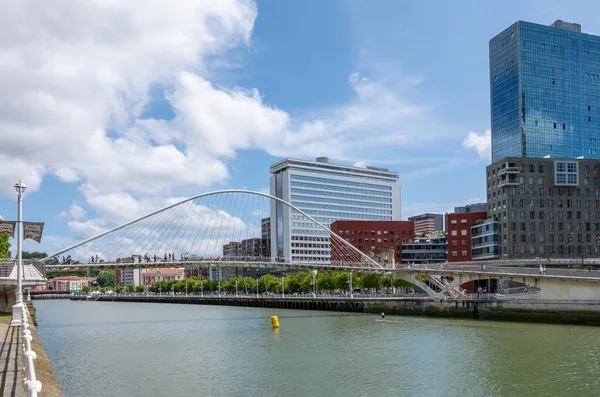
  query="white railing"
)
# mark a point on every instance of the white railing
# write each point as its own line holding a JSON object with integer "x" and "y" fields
{"x": 32, "y": 385}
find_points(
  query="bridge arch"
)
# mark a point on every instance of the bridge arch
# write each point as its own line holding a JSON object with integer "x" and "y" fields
{"x": 365, "y": 260}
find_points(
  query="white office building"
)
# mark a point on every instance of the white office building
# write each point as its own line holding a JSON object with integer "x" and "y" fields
{"x": 327, "y": 192}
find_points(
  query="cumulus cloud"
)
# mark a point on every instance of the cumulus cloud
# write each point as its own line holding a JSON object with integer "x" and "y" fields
{"x": 75, "y": 90}
{"x": 75, "y": 212}
{"x": 482, "y": 143}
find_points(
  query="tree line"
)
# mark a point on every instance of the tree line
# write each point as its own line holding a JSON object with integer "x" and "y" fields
{"x": 302, "y": 282}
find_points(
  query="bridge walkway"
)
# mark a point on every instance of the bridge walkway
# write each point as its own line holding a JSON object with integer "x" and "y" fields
{"x": 11, "y": 359}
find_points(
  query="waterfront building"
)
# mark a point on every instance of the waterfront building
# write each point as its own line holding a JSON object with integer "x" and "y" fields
{"x": 327, "y": 192}
{"x": 68, "y": 283}
{"x": 545, "y": 92}
{"x": 252, "y": 249}
{"x": 373, "y": 236}
{"x": 543, "y": 208}
{"x": 427, "y": 223}
{"x": 231, "y": 251}
{"x": 152, "y": 276}
{"x": 265, "y": 235}
{"x": 459, "y": 230}
{"x": 425, "y": 250}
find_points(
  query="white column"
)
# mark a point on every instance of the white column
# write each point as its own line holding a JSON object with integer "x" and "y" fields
{"x": 17, "y": 309}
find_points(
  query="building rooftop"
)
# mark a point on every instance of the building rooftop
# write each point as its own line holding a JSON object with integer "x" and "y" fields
{"x": 163, "y": 271}
{"x": 323, "y": 162}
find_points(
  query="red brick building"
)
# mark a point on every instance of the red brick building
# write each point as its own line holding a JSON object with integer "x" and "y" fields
{"x": 374, "y": 235}
{"x": 459, "y": 234}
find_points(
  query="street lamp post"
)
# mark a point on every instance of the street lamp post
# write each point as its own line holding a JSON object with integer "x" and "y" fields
{"x": 282, "y": 287}
{"x": 350, "y": 283}
{"x": 202, "y": 289}
{"x": 571, "y": 245}
{"x": 17, "y": 309}
{"x": 314, "y": 273}
{"x": 160, "y": 290}
{"x": 598, "y": 245}
{"x": 257, "y": 288}
{"x": 186, "y": 289}
{"x": 219, "y": 288}
{"x": 173, "y": 290}
{"x": 236, "y": 289}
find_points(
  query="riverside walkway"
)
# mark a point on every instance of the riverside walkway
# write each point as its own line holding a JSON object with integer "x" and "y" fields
{"x": 12, "y": 363}
{"x": 11, "y": 359}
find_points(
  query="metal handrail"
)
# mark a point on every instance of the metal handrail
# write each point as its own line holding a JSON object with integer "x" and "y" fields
{"x": 31, "y": 384}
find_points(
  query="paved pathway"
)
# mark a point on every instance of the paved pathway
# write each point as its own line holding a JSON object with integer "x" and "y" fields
{"x": 11, "y": 360}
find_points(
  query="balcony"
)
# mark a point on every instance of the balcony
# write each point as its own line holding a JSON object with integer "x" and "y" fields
{"x": 509, "y": 182}
{"x": 509, "y": 170}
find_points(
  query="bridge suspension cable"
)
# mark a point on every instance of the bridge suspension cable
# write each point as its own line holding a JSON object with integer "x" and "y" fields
{"x": 227, "y": 225}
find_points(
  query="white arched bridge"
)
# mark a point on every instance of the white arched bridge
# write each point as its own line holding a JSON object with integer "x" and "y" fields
{"x": 226, "y": 228}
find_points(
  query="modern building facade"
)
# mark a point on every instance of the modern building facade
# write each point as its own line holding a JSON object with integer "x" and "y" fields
{"x": 545, "y": 92}
{"x": 327, "y": 192}
{"x": 543, "y": 207}
{"x": 427, "y": 223}
{"x": 459, "y": 231}
{"x": 425, "y": 250}
{"x": 374, "y": 236}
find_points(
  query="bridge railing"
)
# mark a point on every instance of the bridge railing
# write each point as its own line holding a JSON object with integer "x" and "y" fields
{"x": 512, "y": 270}
{"x": 32, "y": 385}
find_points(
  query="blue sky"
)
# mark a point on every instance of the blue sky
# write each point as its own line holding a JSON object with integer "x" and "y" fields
{"x": 396, "y": 84}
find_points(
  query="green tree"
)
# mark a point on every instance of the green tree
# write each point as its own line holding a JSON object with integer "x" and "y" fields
{"x": 139, "y": 288}
{"x": 107, "y": 278}
{"x": 130, "y": 288}
{"x": 34, "y": 255}
{"x": 4, "y": 247}
{"x": 370, "y": 280}
{"x": 386, "y": 283}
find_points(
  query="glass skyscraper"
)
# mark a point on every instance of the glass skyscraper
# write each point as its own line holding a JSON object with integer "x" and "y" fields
{"x": 327, "y": 192}
{"x": 545, "y": 92}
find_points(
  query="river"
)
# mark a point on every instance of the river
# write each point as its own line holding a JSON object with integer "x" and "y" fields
{"x": 144, "y": 349}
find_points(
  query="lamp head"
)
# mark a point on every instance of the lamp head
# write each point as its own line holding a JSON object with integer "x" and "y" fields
{"x": 20, "y": 187}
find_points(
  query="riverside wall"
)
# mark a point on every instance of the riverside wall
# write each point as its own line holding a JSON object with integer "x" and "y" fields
{"x": 43, "y": 369}
{"x": 527, "y": 310}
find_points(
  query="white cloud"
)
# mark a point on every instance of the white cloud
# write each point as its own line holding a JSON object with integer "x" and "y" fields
{"x": 74, "y": 91}
{"x": 75, "y": 212}
{"x": 99, "y": 61}
{"x": 481, "y": 143}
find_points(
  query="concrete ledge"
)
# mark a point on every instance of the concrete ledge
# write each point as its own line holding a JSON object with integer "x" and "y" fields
{"x": 43, "y": 370}
{"x": 559, "y": 312}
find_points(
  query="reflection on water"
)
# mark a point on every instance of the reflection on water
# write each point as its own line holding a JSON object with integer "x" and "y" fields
{"x": 142, "y": 349}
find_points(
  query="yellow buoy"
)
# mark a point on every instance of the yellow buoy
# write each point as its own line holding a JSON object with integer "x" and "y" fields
{"x": 274, "y": 322}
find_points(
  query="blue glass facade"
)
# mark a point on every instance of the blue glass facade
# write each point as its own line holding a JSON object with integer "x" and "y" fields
{"x": 545, "y": 93}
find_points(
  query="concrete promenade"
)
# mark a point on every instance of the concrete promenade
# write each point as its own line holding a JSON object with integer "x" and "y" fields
{"x": 11, "y": 362}
{"x": 11, "y": 359}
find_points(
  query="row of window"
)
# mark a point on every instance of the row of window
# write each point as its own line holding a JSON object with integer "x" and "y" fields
{"x": 453, "y": 221}
{"x": 374, "y": 232}
{"x": 344, "y": 175}
{"x": 337, "y": 201}
{"x": 455, "y": 232}
{"x": 328, "y": 188}
{"x": 550, "y": 250}
{"x": 338, "y": 182}
{"x": 319, "y": 193}
{"x": 550, "y": 192}
{"x": 346, "y": 215}
{"x": 303, "y": 206}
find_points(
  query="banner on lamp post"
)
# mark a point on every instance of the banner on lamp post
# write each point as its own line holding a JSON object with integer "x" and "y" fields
{"x": 33, "y": 230}
{"x": 7, "y": 228}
